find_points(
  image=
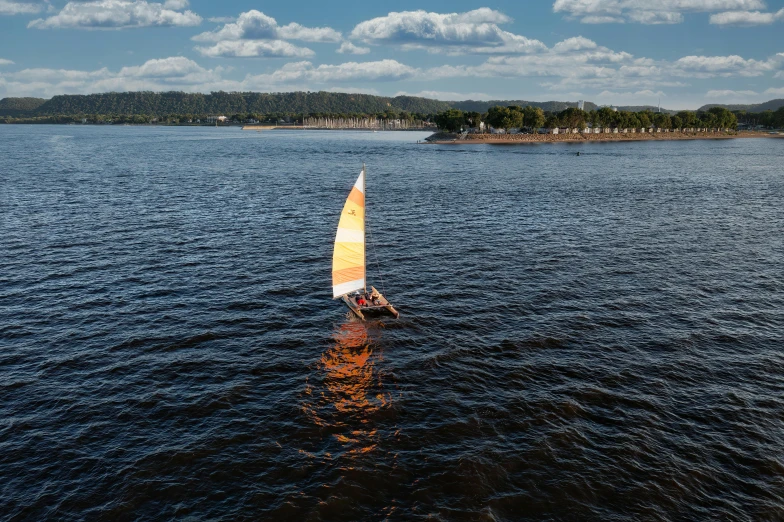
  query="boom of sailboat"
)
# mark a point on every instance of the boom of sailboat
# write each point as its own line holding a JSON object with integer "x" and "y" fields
{"x": 349, "y": 272}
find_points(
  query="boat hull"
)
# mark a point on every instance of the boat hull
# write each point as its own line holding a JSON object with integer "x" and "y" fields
{"x": 381, "y": 307}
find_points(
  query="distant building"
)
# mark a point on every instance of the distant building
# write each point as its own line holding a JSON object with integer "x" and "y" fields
{"x": 581, "y": 105}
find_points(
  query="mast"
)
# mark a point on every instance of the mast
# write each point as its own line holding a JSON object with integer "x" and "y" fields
{"x": 364, "y": 192}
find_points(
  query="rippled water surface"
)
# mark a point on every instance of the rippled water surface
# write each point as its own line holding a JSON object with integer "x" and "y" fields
{"x": 591, "y": 338}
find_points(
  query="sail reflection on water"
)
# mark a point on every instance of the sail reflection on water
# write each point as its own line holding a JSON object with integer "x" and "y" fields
{"x": 348, "y": 393}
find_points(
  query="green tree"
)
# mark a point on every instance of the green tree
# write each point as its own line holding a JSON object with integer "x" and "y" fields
{"x": 605, "y": 116}
{"x": 573, "y": 117}
{"x": 688, "y": 119}
{"x": 451, "y": 120}
{"x": 645, "y": 118}
{"x": 593, "y": 118}
{"x": 497, "y": 116}
{"x": 724, "y": 118}
{"x": 662, "y": 120}
{"x": 533, "y": 117}
{"x": 473, "y": 118}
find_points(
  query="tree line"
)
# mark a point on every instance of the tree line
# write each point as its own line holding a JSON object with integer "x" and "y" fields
{"x": 159, "y": 104}
{"x": 768, "y": 119}
{"x": 532, "y": 118}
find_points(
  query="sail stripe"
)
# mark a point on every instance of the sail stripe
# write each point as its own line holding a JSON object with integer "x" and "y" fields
{"x": 347, "y": 235}
{"x": 360, "y": 184}
{"x": 345, "y": 288}
{"x": 352, "y": 257}
{"x": 348, "y": 257}
{"x": 357, "y": 197}
{"x": 347, "y": 274}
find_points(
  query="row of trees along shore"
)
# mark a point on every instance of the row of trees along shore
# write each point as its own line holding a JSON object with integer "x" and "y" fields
{"x": 766, "y": 119}
{"x": 532, "y": 118}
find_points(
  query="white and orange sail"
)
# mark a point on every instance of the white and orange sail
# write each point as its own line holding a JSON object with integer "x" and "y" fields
{"x": 348, "y": 258}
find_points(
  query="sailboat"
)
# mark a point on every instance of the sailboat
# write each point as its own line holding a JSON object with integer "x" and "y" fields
{"x": 348, "y": 259}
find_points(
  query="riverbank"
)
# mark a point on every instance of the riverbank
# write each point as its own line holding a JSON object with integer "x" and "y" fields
{"x": 444, "y": 138}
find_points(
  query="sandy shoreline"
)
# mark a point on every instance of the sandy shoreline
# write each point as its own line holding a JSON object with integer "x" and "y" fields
{"x": 445, "y": 139}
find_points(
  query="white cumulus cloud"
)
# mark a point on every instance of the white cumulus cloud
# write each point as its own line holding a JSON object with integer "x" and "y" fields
{"x": 257, "y": 34}
{"x": 4, "y": 61}
{"x": 294, "y": 31}
{"x": 255, "y": 48}
{"x": 725, "y": 66}
{"x": 646, "y": 11}
{"x": 118, "y": 14}
{"x": 173, "y": 73}
{"x": 576, "y": 43}
{"x": 746, "y": 18}
{"x": 10, "y": 7}
{"x": 728, "y": 93}
{"x": 255, "y": 25}
{"x": 175, "y": 66}
{"x": 176, "y": 5}
{"x": 580, "y": 63}
{"x": 382, "y": 70}
{"x": 350, "y": 48}
{"x": 474, "y": 32}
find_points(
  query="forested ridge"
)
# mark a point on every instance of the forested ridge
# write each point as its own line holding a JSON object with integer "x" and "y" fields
{"x": 20, "y": 106}
{"x": 289, "y": 104}
{"x": 159, "y": 104}
{"x": 770, "y": 105}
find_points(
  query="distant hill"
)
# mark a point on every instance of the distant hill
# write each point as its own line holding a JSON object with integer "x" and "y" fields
{"x": 287, "y": 103}
{"x": 771, "y": 105}
{"x": 21, "y": 106}
{"x": 165, "y": 103}
{"x": 483, "y": 106}
{"x": 152, "y": 103}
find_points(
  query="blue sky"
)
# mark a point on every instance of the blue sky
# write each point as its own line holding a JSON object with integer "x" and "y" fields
{"x": 686, "y": 52}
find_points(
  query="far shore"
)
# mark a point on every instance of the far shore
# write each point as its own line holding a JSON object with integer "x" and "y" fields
{"x": 443, "y": 138}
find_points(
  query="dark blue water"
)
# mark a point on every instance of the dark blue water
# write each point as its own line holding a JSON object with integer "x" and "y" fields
{"x": 587, "y": 338}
